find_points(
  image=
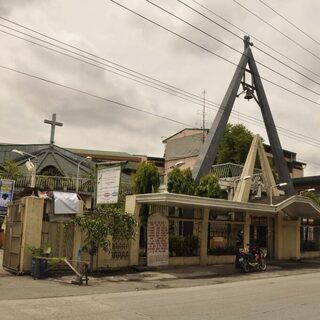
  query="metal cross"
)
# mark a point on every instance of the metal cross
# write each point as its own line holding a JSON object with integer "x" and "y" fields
{"x": 53, "y": 123}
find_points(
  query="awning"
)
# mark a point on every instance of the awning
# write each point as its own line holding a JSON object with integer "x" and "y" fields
{"x": 299, "y": 207}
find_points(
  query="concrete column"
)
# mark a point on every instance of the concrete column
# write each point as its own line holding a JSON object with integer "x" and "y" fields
{"x": 32, "y": 228}
{"x": 134, "y": 208}
{"x": 246, "y": 231}
{"x": 278, "y": 230}
{"x": 204, "y": 237}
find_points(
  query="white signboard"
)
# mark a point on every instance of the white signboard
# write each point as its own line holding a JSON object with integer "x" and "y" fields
{"x": 108, "y": 181}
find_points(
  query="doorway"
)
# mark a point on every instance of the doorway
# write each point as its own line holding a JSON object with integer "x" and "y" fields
{"x": 262, "y": 233}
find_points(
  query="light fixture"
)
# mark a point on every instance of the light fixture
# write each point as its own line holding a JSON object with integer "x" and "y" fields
{"x": 179, "y": 164}
{"x": 307, "y": 190}
{"x": 31, "y": 166}
{"x": 282, "y": 184}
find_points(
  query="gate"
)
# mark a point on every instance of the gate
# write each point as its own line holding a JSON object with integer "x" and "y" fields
{"x": 12, "y": 241}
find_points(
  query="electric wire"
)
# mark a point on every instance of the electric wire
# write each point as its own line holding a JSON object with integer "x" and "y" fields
{"x": 278, "y": 30}
{"x": 90, "y": 54}
{"x": 291, "y": 23}
{"x": 232, "y": 48}
{"x": 244, "y": 117}
{"x": 258, "y": 40}
{"x": 213, "y": 53}
{"x": 124, "y": 105}
{"x": 95, "y": 96}
{"x": 259, "y": 49}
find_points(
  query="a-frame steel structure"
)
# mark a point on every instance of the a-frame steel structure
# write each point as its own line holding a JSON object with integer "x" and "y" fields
{"x": 210, "y": 147}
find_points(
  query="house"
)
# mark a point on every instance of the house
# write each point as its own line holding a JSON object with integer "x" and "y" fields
{"x": 182, "y": 149}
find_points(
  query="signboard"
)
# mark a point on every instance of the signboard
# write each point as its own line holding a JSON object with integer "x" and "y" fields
{"x": 6, "y": 193}
{"x": 108, "y": 182}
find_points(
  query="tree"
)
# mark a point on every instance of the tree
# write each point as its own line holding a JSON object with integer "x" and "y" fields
{"x": 147, "y": 178}
{"x": 235, "y": 144}
{"x": 11, "y": 167}
{"x": 103, "y": 222}
{"x": 181, "y": 181}
{"x": 312, "y": 196}
{"x": 209, "y": 186}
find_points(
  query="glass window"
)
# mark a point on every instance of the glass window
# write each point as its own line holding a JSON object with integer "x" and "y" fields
{"x": 222, "y": 238}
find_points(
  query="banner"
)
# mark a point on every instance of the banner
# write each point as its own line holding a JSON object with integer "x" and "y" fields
{"x": 6, "y": 193}
{"x": 108, "y": 182}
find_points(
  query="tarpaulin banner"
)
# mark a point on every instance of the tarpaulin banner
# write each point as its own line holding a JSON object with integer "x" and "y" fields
{"x": 6, "y": 193}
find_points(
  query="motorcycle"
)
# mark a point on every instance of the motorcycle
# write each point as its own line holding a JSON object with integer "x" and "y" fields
{"x": 253, "y": 258}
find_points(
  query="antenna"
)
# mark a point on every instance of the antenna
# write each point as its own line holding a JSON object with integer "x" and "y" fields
{"x": 204, "y": 116}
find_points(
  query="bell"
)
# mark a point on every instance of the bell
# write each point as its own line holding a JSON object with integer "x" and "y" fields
{"x": 249, "y": 94}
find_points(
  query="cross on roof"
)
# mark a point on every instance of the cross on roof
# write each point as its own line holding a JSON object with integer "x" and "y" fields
{"x": 53, "y": 123}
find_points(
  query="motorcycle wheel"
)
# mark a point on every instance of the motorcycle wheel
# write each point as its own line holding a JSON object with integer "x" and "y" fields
{"x": 263, "y": 264}
{"x": 245, "y": 266}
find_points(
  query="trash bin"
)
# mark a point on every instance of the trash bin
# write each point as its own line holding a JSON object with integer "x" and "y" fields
{"x": 38, "y": 267}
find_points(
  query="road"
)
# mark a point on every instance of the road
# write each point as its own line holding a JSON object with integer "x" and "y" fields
{"x": 290, "y": 297}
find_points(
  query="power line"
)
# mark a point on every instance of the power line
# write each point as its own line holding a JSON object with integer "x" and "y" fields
{"x": 93, "y": 95}
{"x": 230, "y": 47}
{"x": 261, "y": 50}
{"x": 276, "y": 29}
{"x": 291, "y": 23}
{"x": 260, "y": 41}
{"x": 244, "y": 117}
{"x": 213, "y": 53}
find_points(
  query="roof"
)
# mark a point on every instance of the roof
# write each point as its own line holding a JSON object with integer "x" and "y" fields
{"x": 306, "y": 180}
{"x": 294, "y": 206}
{"x": 105, "y": 154}
{"x": 195, "y": 129}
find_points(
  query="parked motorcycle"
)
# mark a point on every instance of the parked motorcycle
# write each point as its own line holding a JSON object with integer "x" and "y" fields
{"x": 252, "y": 258}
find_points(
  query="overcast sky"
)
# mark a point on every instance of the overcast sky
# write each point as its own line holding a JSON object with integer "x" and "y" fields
{"x": 110, "y": 32}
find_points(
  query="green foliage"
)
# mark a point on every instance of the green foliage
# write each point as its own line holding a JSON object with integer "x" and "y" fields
{"x": 147, "y": 178}
{"x": 183, "y": 246}
{"x": 103, "y": 222}
{"x": 312, "y": 196}
{"x": 10, "y": 167}
{"x": 209, "y": 186}
{"x": 235, "y": 144}
{"x": 181, "y": 181}
{"x": 39, "y": 252}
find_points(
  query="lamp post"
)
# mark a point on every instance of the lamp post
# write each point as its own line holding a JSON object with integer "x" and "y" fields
{"x": 78, "y": 170}
{"x": 275, "y": 186}
{"x": 31, "y": 166}
{"x": 307, "y": 190}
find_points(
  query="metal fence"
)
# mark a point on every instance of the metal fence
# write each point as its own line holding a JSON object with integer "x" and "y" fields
{"x": 52, "y": 183}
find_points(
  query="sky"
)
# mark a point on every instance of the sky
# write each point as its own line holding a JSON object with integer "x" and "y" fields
{"x": 118, "y": 64}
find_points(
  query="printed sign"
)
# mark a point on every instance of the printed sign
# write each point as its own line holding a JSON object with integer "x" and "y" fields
{"x": 6, "y": 193}
{"x": 158, "y": 240}
{"x": 108, "y": 181}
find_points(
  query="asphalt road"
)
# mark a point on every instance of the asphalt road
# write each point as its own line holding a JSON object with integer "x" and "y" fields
{"x": 291, "y": 297}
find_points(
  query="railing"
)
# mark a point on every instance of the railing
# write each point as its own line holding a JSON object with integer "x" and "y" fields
{"x": 227, "y": 170}
{"x": 53, "y": 183}
{"x": 48, "y": 183}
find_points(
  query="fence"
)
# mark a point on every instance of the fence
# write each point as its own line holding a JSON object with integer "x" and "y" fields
{"x": 52, "y": 183}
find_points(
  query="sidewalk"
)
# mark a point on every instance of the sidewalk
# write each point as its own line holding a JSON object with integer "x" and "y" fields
{"x": 145, "y": 274}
